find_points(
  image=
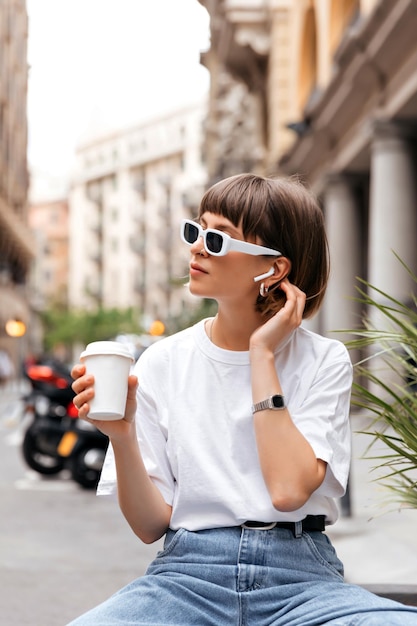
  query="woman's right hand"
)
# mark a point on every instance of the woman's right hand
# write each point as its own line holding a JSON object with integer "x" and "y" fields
{"x": 83, "y": 386}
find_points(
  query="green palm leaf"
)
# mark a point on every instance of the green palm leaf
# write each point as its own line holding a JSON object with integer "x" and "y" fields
{"x": 385, "y": 386}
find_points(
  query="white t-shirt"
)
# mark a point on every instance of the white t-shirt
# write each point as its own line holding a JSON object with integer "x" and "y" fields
{"x": 196, "y": 434}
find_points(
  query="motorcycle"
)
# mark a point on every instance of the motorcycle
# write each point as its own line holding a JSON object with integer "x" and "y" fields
{"x": 56, "y": 439}
{"x": 84, "y": 447}
{"x": 48, "y": 404}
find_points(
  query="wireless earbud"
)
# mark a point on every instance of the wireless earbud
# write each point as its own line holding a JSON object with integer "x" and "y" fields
{"x": 266, "y": 275}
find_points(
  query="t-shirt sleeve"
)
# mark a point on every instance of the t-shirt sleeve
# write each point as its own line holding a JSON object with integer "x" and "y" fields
{"x": 323, "y": 419}
{"x": 153, "y": 436}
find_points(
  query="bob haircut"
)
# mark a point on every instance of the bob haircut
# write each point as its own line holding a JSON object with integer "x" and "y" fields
{"x": 282, "y": 214}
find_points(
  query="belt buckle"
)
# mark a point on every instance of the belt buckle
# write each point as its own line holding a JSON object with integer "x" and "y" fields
{"x": 266, "y": 527}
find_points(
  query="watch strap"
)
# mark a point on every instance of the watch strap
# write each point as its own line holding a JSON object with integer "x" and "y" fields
{"x": 275, "y": 402}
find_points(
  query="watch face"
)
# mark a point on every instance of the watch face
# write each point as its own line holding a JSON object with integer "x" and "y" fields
{"x": 278, "y": 402}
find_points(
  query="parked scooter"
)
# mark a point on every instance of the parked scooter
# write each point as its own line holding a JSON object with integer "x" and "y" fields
{"x": 84, "y": 447}
{"x": 56, "y": 439}
{"x": 49, "y": 404}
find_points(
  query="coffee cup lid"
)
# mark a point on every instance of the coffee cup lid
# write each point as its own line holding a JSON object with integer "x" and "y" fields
{"x": 106, "y": 347}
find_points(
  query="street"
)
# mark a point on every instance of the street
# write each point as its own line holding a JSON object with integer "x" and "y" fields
{"x": 64, "y": 550}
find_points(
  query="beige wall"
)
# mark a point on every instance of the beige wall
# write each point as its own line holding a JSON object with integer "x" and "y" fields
{"x": 16, "y": 244}
{"x": 49, "y": 224}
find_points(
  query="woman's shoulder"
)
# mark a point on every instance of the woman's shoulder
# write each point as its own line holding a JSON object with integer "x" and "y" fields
{"x": 320, "y": 344}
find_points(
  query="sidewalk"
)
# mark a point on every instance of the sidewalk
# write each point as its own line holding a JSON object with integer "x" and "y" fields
{"x": 10, "y": 401}
{"x": 378, "y": 543}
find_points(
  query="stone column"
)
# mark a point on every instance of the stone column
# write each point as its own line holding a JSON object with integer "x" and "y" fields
{"x": 344, "y": 230}
{"x": 393, "y": 208}
{"x": 392, "y": 227}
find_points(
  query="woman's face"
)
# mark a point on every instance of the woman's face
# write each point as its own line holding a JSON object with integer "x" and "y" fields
{"x": 229, "y": 276}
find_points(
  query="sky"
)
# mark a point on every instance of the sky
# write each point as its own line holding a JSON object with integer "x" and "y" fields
{"x": 98, "y": 65}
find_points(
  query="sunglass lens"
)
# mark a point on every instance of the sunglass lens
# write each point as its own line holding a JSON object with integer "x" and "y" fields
{"x": 214, "y": 242}
{"x": 190, "y": 232}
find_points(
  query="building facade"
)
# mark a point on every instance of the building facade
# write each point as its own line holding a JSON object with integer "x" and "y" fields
{"x": 16, "y": 244}
{"x": 334, "y": 87}
{"x": 48, "y": 221}
{"x": 128, "y": 195}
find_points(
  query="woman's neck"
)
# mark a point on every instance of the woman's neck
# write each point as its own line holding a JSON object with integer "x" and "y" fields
{"x": 232, "y": 332}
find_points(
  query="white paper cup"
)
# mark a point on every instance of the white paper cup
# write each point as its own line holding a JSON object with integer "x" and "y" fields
{"x": 109, "y": 362}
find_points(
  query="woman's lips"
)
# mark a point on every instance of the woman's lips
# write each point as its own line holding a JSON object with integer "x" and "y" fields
{"x": 196, "y": 269}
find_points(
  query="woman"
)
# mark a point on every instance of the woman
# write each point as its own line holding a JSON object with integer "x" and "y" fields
{"x": 236, "y": 441}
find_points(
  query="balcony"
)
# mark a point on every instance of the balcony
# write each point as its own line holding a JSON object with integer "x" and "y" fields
{"x": 240, "y": 34}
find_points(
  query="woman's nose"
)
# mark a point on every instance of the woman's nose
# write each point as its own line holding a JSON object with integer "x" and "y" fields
{"x": 198, "y": 246}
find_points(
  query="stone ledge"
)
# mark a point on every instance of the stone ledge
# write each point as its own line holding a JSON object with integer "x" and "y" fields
{"x": 406, "y": 594}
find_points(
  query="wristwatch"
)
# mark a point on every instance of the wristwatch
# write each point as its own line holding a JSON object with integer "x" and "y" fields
{"x": 276, "y": 403}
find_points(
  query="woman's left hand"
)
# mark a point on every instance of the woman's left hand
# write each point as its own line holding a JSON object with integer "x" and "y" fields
{"x": 269, "y": 335}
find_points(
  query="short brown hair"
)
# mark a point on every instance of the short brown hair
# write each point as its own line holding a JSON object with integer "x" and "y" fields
{"x": 285, "y": 216}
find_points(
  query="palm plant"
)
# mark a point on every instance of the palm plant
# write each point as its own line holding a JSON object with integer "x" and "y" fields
{"x": 385, "y": 387}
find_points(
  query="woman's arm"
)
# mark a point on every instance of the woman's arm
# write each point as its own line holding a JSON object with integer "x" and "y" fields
{"x": 140, "y": 500}
{"x": 290, "y": 468}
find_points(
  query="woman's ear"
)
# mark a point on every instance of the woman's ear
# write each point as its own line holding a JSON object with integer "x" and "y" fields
{"x": 282, "y": 267}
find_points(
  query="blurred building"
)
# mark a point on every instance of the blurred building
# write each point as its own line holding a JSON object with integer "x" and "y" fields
{"x": 48, "y": 221}
{"x": 327, "y": 90}
{"x": 129, "y": 192}
{"x": 16, "y": 246}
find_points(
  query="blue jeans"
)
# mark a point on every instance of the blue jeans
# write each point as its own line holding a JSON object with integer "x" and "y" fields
{"x": 246, "y": 577}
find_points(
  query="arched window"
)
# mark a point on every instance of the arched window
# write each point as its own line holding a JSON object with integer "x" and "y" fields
{"x": 342, "y": 13}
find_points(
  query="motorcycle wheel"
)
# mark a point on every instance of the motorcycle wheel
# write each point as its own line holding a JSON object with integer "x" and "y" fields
{"x": 38, "y": 460}
{"x": 86, "y": 476}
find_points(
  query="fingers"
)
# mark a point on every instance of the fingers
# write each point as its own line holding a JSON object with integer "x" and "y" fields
{"x": 83, "y": 388}
{"x": 290, "y": 316}
{"x": 81, "y": 383}
{"x": 83, "y": 410}
{"x": 78, "y": 370}
{"x": 132, "y": 381}
{"x": 132, "y": 384}
{"x": 288, "y": 288}
{"x": 295, "y": 299}
{"x": 82, "y": 401}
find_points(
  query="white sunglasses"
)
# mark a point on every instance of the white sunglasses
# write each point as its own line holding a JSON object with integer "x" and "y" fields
{"x": 219, "y": 243}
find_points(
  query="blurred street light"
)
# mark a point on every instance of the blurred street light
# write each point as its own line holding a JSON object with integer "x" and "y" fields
{"x": 15, "y": 328}
{"x": 157, "y": 328}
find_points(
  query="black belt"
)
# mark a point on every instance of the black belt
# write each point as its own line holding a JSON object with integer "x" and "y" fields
{"x": 311, "y": 522}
